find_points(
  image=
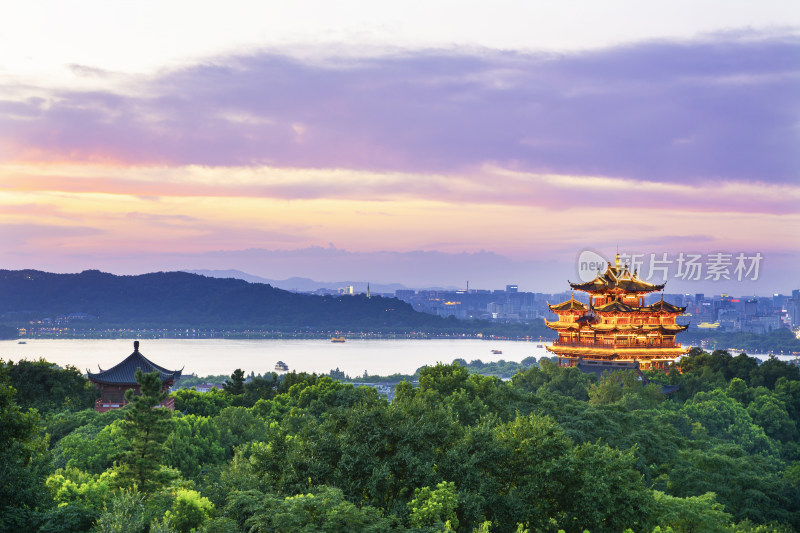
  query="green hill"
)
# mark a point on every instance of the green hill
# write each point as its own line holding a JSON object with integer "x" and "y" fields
{"x": 170, "y": 300}
{"x": 178, "y": 299}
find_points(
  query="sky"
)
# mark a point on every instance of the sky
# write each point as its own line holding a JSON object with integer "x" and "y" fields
{"x": 422, "y": 143}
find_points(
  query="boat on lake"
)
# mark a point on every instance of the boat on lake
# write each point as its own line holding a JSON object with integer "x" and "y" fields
{"x": 497, "y": 352}
{"x": 280, "y": 366}
{"x": 338, "y": 339}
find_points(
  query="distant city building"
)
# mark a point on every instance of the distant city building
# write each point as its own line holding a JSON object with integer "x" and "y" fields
{"x": 497, "y": 305}
{"x": 793, "y": 308}
{"x": 724, "y": 312}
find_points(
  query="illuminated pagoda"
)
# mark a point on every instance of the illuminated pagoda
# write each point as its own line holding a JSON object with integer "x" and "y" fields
{"x": 113, "y": 382}
{"x": 616, "y": 329}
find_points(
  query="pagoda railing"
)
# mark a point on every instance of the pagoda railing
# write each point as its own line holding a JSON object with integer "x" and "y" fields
{"x": 618, "y": 344}
{"x": 102, "y": 405}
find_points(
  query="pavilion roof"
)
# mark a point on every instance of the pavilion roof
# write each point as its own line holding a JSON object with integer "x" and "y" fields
{"x": 666, "y": 307}
{"x": 667, "y": 329}
{"x": 124, "y": 372}
{"x": 617, "y": 279}
{"x": 616, "y": 307}
{"x": 659, "y": 307}
{"x": 570, "y": 305}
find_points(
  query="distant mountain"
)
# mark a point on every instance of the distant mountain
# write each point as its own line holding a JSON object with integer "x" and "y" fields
{"x": 296, "y": 284}
{"x": 180, "y": 299}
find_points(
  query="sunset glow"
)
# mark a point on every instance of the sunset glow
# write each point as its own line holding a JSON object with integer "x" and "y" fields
{"x": 262, "y": 151}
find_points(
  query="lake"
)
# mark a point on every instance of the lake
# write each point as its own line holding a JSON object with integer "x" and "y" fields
{"x": 222, "y": 356}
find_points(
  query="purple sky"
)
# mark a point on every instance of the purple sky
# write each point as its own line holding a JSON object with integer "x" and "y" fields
{"x": 423, "y": 166}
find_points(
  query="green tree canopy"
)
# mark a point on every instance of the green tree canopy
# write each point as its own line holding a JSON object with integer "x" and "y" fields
{"x": 147, "y": 427}
{"x": 23, "y": 460}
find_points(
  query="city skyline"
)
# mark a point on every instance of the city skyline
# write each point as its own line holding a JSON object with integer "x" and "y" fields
{"x": 424, "y": 146}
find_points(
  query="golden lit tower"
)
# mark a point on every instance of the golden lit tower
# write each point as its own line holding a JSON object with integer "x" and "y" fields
{"x": 617, "y": 326}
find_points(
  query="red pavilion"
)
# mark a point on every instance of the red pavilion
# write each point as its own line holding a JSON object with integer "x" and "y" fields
{"x": 113, "y": 382}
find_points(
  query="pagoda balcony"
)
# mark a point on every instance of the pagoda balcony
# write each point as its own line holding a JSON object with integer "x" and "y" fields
{"x": 617, "y": 344}
{"x": 101, "y": 405}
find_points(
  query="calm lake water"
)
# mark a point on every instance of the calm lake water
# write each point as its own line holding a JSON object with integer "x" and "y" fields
{"x": 223, "y": 356}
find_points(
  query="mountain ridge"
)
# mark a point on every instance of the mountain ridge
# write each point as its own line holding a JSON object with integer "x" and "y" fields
{"x": 297, "y": 283}
{"x": 181, "y": 299}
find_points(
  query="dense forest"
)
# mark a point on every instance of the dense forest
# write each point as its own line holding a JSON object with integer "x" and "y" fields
{"x": 551, "y": 449}
{"x": 163, "y": 300}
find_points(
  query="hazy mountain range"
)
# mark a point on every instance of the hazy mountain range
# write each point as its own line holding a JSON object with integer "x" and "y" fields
{"x": 298, "y": 284}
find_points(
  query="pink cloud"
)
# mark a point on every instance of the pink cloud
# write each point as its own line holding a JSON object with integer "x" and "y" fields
{"x": 484, "y": 185}
{"x": 721, "y": 108}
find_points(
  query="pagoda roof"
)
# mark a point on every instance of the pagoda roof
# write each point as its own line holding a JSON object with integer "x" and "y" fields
{"x": 557, "y": 324}
{"x": 661, "y": 328}
{"x": 658, "y": 307}
{"x": 606, "y": 328}
{"x": 570, "y": 305}
{"x": 124, "y": 372}
{"x": 666, "y": 307}
{"x": 617, "y": 279}
{"x": 586, "y": 320}
{"x": 616, "y": 307}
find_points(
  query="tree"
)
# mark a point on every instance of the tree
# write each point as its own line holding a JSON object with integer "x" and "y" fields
{"x": 550, "y": 377}
{"x": 626, "y": 387}
{"x": 193, "y": 444}
{"x": 92, "y": 448}
{"x": 602, "y": 492}
{"x": 771, "y": 370}
{"x": 210, "y": 403}
{"x": 445, "y": 379}
{"x": 260, "y": 388}
{"x": 147, "y": 427}
{"x": 47, "y": 387}
{"x": 325, "y": 509}
{"x": 749, "y": 486}
{"x": 692, "y": 514}
{"x": 190, "y": 511}
{"x": 725, "y": 418}
{"x": 125, "y": 513}
{"x": 434, "y": 508}
{"x": 770, "y": 413}
{"x": 79, "y": 498}
{"x": 612, "y": 387}
{"x": 235, "y": 426}
{"x": 23, "y": 460}
{"x": 235, "y": 385}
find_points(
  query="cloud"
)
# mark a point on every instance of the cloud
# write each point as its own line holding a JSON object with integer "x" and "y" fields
{"x": 721, "y": 108}
{"x": 488, "y": 185}
{"x": 87, "y": 71}
{"x": 20, "y": 237}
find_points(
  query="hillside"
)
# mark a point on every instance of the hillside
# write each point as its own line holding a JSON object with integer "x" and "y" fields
{"x": 179, "y": 299}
